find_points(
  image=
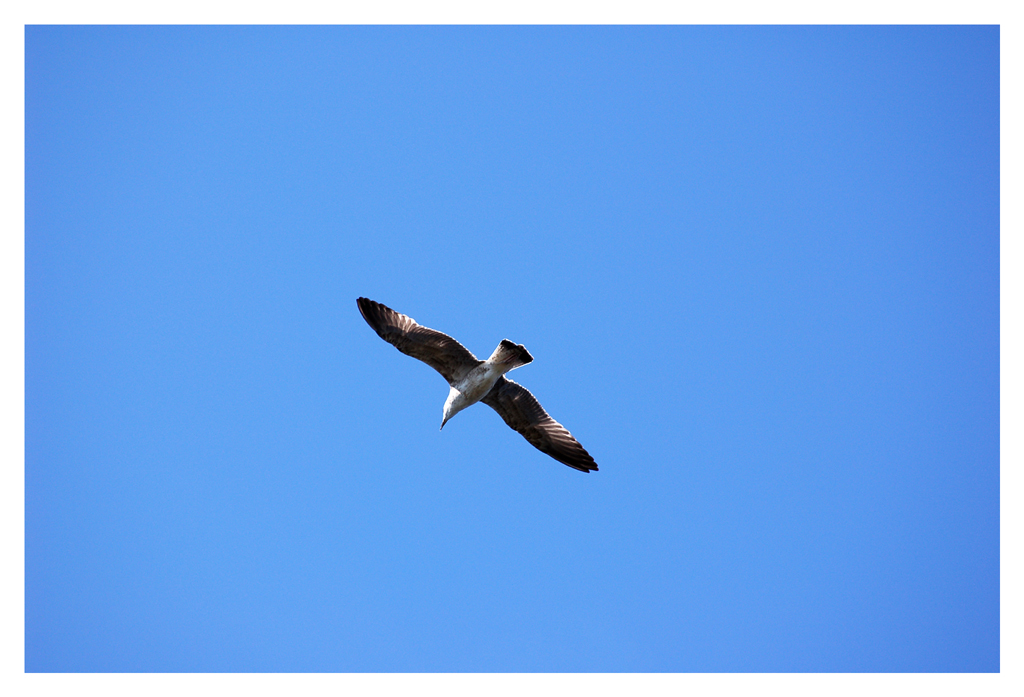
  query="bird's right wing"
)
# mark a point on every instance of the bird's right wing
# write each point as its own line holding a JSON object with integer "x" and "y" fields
{"x": 522, "y": 412}
{"x": 441, "y": 352}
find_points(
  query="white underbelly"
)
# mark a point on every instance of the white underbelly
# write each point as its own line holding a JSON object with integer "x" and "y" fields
{"x": 474, "y": 386}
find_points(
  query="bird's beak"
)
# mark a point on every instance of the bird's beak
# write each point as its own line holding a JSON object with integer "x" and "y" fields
{"x": 442, "y": 424}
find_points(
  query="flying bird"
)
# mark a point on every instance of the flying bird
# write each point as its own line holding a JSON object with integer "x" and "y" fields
{"x": 472, "y": 380}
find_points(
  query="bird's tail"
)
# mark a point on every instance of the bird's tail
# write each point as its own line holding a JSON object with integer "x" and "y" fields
{"x": 511, "y": 355}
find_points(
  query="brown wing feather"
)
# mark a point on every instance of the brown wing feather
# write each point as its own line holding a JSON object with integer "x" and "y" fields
{"x": 441, "y": 352}
{"x": 522, "y": 412}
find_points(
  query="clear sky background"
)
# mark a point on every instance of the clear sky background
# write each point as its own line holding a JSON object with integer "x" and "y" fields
{"x": 758, "y": 270}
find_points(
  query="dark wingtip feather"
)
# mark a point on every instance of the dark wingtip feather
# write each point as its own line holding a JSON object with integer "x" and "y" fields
{"x": 371, "y": 312}
{"x": 365, "y": 304}
{"x": 586, "y": 467}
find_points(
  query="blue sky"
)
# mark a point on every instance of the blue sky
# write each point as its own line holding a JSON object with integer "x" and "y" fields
{"x": 758, "y": 270}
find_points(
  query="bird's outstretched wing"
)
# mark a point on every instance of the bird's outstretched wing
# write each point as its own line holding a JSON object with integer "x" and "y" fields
{"x": 441, "y": 352}
{"x": 522, "y": 412}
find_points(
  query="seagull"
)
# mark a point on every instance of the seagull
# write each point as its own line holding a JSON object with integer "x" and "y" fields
{"x": 472, "y": 380}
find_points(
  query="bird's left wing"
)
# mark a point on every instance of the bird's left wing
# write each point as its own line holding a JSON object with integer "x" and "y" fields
{"x": 522, "y": 412}
{"x": 441, "y": 352}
